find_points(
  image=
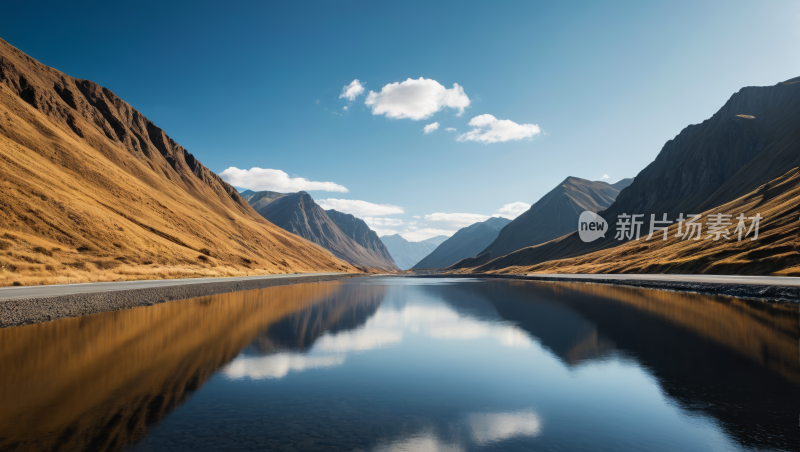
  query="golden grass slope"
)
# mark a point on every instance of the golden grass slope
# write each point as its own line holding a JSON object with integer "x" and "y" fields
{"x": 94, "y": 191}
{"x": 775, "y": 252}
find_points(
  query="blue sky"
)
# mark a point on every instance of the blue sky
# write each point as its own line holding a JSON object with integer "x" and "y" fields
{"x": 257, "y": 85}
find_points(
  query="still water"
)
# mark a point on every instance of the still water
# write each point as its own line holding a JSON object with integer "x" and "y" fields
{"x": 410, "y": 364}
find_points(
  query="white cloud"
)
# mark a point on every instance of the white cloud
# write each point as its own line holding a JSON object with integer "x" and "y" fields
{"x": 381, "y": 225}
{"x": 353, "y": 90}
{"x": 345, "y": 108}
{"x": 274, "y": 180}
{"x": 605, "y": 176}
{"x": 277, "y": 366}
{"x": 493, "y": 427}
{"x": 450, "y": 129}
{"x": 357, "y": 340}
{"x": 430, "y": 127}
{"x": 417, "y": 217}
{"x": 359, "y": 208}
{"x": 456, "y": 220}
{"x": 418, "y": 235}
{"x": 488, "y": 129}
{"x": 416, "y": 99}
{"x": 512, "y": 210}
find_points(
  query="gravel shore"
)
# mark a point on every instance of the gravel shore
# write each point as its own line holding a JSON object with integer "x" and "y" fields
{"x": 24, "y": 311}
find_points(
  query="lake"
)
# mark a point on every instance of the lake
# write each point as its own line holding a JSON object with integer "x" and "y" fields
{"x": 410, "y": 364}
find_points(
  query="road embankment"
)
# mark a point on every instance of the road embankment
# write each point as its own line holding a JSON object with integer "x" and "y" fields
{"x": 27, "y": 305}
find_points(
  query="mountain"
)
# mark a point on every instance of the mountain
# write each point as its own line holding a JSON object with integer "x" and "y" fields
{"x": 406, "y": 254}
{"x": 467, "y": 242}
{"x": 95, "y": 191}
{"x": 619, "y": 185}
{"x": 742, "y": 151}
{"x": 259, "y": 199}
{"x": 775, "y": 252}
{"x": 357, "y": 229}
{"x": 552, "y": 216}
{"x": 300, "y": 215}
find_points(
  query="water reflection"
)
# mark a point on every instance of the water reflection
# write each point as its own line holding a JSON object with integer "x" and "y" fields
{"x": 394, "y": 364}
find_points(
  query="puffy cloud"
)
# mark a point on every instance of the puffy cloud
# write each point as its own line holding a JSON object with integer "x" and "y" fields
{"x": 382, "y": 222}
{"x": 359, "y": 208}
{"x": 417, "y": 217}
{"x": 512, "y": 210}
{"x": 345, "y": 108}
{"x": 274, "y": 180}
{"x": 450, "y": 129}
{"x": 353, "y": 90}
{"x": 488, "y": 129}
{"x": 456, "y": 220}
{"x": 430, "y": 127}
{"x": 605, "y": 176}
{"x": 416, "y": 99}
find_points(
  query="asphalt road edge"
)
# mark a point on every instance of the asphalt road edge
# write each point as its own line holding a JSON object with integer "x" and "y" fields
{"x": 26, "y": 311}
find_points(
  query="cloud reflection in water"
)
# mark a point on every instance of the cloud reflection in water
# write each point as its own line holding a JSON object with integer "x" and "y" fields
{"x": 482, "y": 429}
{"x": 387, "y": 327}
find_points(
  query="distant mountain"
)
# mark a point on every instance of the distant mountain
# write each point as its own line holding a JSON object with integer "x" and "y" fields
{"x": 357, "y": 229}
{"x": 552, "y": 216}
{"x": 94, "y": 190}
{"x": 618, "y": 186}
{"x": 300, "y": 215}
{"x": 406, "y": 254}
{"x": 742, "y": 150}
{"x": 259, "y": 199}
{"x": 467, "y": 242}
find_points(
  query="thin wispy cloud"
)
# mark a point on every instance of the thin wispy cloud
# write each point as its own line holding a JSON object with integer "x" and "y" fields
{"x": 353, "y": 90}
{"x": 451, "y": 129}
{"x": 359, "y": 208}
{"x": 430, "y": 127}
{"x": 488, "y": 129}
{"x": 512, "y": 210}
{"x": 416, "y": 99}
{"x": 275, "y": 180}
{"x": 455, "y": 220}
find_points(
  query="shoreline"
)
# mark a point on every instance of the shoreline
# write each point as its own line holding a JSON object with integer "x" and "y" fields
{"x": 770, "y": 293}
{"x": 30, "y": 310}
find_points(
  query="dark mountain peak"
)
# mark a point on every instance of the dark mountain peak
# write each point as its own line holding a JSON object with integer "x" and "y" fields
{"x": 466, "y": 242}
{"x": 299, "y": 214}
{"x": 359, "y": 231}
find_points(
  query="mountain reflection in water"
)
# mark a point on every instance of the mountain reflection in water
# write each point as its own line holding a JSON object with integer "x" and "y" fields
{"x": 394, "y": 364}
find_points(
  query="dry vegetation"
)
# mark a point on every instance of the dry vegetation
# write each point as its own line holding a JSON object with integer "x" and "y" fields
{"x": 776, "y": 252}
{"x": 93, "y": 191}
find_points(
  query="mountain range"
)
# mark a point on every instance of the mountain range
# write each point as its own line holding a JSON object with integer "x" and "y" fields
{"x": 552, "y": 216}
{"x": 94, "y": 191}
{"x": 466, "y": 242}
{"x": 743, "y": 159}
{"x": 407, "y": 254}
{"x": 300, "y": 215}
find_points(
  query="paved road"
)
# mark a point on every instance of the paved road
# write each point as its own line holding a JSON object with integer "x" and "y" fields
{"x": 713, "y": 279}
{"x": 7, "y": 293}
